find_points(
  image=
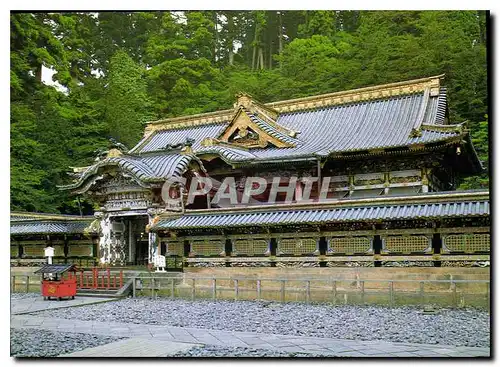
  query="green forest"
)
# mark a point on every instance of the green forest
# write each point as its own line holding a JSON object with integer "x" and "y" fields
{"x": 119, "y": 70}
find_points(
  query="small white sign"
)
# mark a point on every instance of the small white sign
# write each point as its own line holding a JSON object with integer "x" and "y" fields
{"x": 160, "y": 263}
{"x": 49, "y": 251}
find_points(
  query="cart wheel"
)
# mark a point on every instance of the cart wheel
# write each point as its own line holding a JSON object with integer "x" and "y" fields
{"x": 44, "y": 298}
{"x": 72, "y": 297}
{"x": 58, "y": 298}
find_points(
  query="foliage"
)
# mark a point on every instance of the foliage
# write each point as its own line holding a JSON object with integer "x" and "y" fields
{"x": 120, "y": 69}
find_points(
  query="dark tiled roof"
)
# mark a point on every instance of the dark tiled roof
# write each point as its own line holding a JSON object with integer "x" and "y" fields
{"x": 48, "y": 227}
{"x": 230, "y": 154}
{"x": 160, "y": 139}
{"x": 375, "y": 124}
{"x": 344, "y": 212}
{"x": 29, "y": 216}
{"x": 144, "y": 168}
{"x": 56, "y": 269}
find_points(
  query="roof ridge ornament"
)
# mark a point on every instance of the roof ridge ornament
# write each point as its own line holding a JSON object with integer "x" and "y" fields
{"x": 183, "y": 146}
{"x": 254, "y": 126}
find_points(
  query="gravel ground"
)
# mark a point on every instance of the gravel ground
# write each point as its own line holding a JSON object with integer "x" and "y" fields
{"x": 24, "y": 295}
{"x": 238, "y": 352}
{"x": 464, "y": 327}
{"x": 43, "y": 343}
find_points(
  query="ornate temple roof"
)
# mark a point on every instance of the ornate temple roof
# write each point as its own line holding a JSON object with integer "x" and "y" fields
{"x": 398, "y": 115}
{"x": 421, "y": 206}
{"x": 45, "y": 223}
{"x": 147, "y": 168}
{"x": 382, "y": 119}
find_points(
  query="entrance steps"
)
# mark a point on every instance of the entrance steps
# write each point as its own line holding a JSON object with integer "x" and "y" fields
{"x": 111, "y": 293}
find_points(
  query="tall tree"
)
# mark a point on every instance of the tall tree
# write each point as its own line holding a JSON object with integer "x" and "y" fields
{"x": 126, "y": 99}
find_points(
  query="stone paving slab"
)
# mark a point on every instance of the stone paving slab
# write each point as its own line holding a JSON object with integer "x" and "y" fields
{"x": 34, "y": 304}
{"x": 333, "y": 347}
{"x": 134, "y": 347}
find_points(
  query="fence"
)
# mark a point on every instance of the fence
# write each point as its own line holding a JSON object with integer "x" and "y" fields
{"x": 454, "y": 293}
{"x": 392, "y": 292}
{"x": 96, "y": 278}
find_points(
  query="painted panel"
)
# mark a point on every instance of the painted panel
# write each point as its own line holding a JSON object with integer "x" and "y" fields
{"x": 250, "y": 246}
{"x": 297, "y": 246}
{"x": 34, "y": 250}
{"x": 175, "y": 248}
{"x": 349, "y": 245}
{"x": 80, "y": 250}
{"x": 207, "y": 247}
{"x": 407, "y": 244}
{"x": 58, "y": 250}
{"x": 468, "y": 243}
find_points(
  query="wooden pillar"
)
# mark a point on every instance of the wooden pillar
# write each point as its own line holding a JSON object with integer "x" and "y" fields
{"x": 377, "y": 248}
{"x": 273, "y": 248}
{"x": 387, "y": 183}
{"x": 130, "y": 242}
{"x": 425, "y": 180}
{"x": 20, "y": 250}
{"x": 228, "y": 249}
{"x": 437, "y": 245}
{"x": 66, "y": 247}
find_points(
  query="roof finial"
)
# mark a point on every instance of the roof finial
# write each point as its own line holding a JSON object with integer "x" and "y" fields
{"x": 243, "y": 100}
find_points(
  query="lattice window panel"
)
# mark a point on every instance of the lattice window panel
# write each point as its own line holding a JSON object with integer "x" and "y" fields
{"x": 297, "y": 246}
{"x": 406, "y": 244}
{"x": 175, "y": 248}
{"x": 468, "y": 242}
{"x": 250, "y": 246}
{"x": 80, "y": 250}
{"x": 58, "y": 250}
{"x": 14, "y": 251}
{"x": 207, "y": 247}
{"x": 34, "y": 251}
{"x": 350, "y": 245}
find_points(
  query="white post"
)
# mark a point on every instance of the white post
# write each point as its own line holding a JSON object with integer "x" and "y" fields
{"x": 49, "y": 253}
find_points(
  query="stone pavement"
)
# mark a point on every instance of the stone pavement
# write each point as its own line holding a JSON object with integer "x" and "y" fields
{"x": 134, "y": 347}
{"x": 33, "y": 304}
{"x": 161, "y": 337}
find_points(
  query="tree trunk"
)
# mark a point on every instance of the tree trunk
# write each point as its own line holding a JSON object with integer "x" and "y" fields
{"x": 216, "y": 37}
{"x": 270, "y": 55}
{"x": 38, "y": 73}
{"x": 255, "y": 42}
{"x": 230, "y": 32}
{"x": 253, "y": 56}
{"x": 280, "y": 33}
{"x": 261, "y": 58}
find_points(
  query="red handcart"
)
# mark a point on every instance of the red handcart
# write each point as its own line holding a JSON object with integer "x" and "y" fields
{"x": 53, "y": 283}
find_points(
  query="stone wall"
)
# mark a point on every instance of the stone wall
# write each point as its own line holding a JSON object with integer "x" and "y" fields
{"x": 354, "y": 273}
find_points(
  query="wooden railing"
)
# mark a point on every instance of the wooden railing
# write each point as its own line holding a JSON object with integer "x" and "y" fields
{"x": 96, "y": 278}
{"x": 453, "y": 292}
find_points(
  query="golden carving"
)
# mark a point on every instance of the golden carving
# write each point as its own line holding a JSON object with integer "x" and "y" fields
{"x": 209, "y": 142}
{"x": 113, "y": 153}
{"x": 242, "y": 124}
{"x": 187, "y": 150}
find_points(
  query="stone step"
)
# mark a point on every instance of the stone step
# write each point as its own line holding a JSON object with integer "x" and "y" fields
{"x": 99, "y": 295}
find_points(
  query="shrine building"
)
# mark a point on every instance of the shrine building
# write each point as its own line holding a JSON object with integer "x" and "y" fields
{"x": 392, "y": 160}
